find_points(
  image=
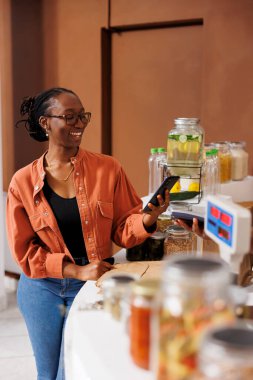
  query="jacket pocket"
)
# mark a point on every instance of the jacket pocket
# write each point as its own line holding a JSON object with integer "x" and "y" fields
{"x": 38, "y": 223}
{"x": 46, "y": 236}
{"x": 104, "y": 218}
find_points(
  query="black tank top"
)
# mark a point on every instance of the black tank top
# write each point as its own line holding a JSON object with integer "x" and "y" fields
{"x": 68, "y": 218}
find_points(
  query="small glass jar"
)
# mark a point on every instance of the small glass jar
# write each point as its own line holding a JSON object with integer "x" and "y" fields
{"x": 227, "y": 353}
{"x": 154, "y": 246}
{"x": 225, "y": 160}
{"x": 142, "y": 298}
{"x": 239, "y": 164}
{"x": 194, "y": 297}
{"x": 178, "y": 241}
{"x": 136, "y": 253}
{"x": 116, "y": 291}
{"x": 185, "y": 145}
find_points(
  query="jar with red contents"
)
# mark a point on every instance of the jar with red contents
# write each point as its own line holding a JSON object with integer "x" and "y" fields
{"x": 142, "y": 298}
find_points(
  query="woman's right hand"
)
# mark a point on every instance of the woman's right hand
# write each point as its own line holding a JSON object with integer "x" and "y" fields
{"x": 91, "y": 271}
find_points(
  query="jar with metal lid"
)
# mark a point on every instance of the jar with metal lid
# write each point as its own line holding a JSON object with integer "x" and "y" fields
{"x": 185, "y": 145}
{"x": 116, "y": 292}
{"x": 227, "y": 353}
{"x": 194, "y": 297}
{"x": 178, "y": 240}
{"x": 239, "y": 164}
{"x": 154, "y": 246}
{"x": 225, "y": 160}
{"x": 163, "y": 222}
{"x": 142, "y": 298}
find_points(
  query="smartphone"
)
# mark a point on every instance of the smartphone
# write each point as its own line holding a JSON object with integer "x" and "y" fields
{"x": 168, "y": 183}
{"x": 188, "y": 218}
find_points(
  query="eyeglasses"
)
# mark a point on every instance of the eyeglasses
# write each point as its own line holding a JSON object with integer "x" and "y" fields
{"x": 72, "y": 118}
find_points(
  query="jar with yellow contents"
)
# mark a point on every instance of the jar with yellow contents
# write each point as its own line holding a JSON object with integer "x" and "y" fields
{"x": 225, "y": 160}
{"x": 185, "y": 145}
{"x": 194, "y": 297}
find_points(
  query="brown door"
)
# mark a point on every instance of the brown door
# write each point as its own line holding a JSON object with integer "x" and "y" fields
{"x": 156, "y": 77}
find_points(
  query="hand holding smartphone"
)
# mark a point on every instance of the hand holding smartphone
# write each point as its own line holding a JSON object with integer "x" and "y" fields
{"x": 168, "y": 183}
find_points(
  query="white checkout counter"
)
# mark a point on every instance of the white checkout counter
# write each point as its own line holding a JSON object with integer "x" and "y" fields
{"x": 96, "y": 346}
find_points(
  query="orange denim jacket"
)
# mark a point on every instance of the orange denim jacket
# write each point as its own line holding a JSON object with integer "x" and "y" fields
{"x": 108, "y": 205}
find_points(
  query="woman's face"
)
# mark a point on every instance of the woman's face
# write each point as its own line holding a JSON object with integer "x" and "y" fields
{"x": 65, "y": 132}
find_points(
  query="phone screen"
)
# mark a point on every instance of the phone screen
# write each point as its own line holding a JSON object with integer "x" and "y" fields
{"x": 168, "y": 183}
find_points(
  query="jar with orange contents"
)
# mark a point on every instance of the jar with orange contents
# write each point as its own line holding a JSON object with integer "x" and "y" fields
{"x": 143, "y": 293}
{"x": 225, "y": 161}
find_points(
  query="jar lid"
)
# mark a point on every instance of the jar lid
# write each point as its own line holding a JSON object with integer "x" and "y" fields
{"x": 164, "y": 217}
{"x": 208, "y": 270}
{"x": 235, "y": 337}
{"x": 157, "y": 235}
{"x": 118, "y": 280}
{"x": 146, "y": 287}
{"x": 186, "y": 120}
{"x": 176, "y": 230}
{"x": 237, "y": 144}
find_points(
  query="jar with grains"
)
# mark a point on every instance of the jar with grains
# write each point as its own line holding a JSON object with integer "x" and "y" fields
{"x": 225, "y": 160}
{"x": 239, "y": 164}
{"x": 185, "y": 145}
{"x": 194, "y": 297}
{"x": 116, "y": 292}
{"x": 163, "y": 222}
{"x": 227, "y": 353}
{"x": 142, "y": 298}
{"x": 178, "y": 241}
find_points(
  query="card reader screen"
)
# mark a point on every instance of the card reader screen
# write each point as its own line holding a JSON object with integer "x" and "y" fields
{"x": 220, "y": 223}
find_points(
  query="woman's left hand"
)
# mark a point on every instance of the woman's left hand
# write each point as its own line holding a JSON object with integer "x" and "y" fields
{"x": 151, "y": 217}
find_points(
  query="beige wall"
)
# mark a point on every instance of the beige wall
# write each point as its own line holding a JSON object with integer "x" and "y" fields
{"x": 67, "y": 53}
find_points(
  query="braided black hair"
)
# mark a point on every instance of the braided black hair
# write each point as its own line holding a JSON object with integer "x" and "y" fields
{"x": 37, "y": 106}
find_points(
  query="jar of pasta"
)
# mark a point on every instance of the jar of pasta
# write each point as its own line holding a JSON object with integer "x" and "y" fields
{"x": 142, "y": 298}
{"x": 239, "y": 163}
{"x": 194, "y": 297}
{"x": 178, "y": 241}
{"x": 225, "y": 160}
{"x": 227, "y": 353}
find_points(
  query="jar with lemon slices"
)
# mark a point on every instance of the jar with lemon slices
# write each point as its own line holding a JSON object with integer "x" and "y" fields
{"x": 185, "y": 146}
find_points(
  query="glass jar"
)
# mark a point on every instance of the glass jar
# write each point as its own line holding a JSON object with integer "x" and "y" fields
{"x": 116, "y": 291}
{"x": 225, "y": 159}
{"x": 154, "y": 246}
{"x": 178, "y": 240}
{"x": 239, "y": 164}
{"x": 185, "y": 145}
{"x": 194, "y": 296}
{"x": 211, "y": 173}
{"x": 163, "y": 222}
{"x": 227, "y": 353}
{"x": 142, "y": 297}
{"x": 136, "y": 253}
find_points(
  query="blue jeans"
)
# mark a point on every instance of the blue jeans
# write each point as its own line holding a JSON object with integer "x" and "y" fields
{"x": 44, "y": 304}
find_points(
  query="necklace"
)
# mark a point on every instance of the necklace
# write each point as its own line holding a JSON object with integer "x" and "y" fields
{"x": 62, "y": 179}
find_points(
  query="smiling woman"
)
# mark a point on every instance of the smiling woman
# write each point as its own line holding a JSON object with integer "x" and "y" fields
{"x": 63, "y": 212}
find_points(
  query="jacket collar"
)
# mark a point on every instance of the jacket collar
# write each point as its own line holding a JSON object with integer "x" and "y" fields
{"x": 40, "y": 171}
